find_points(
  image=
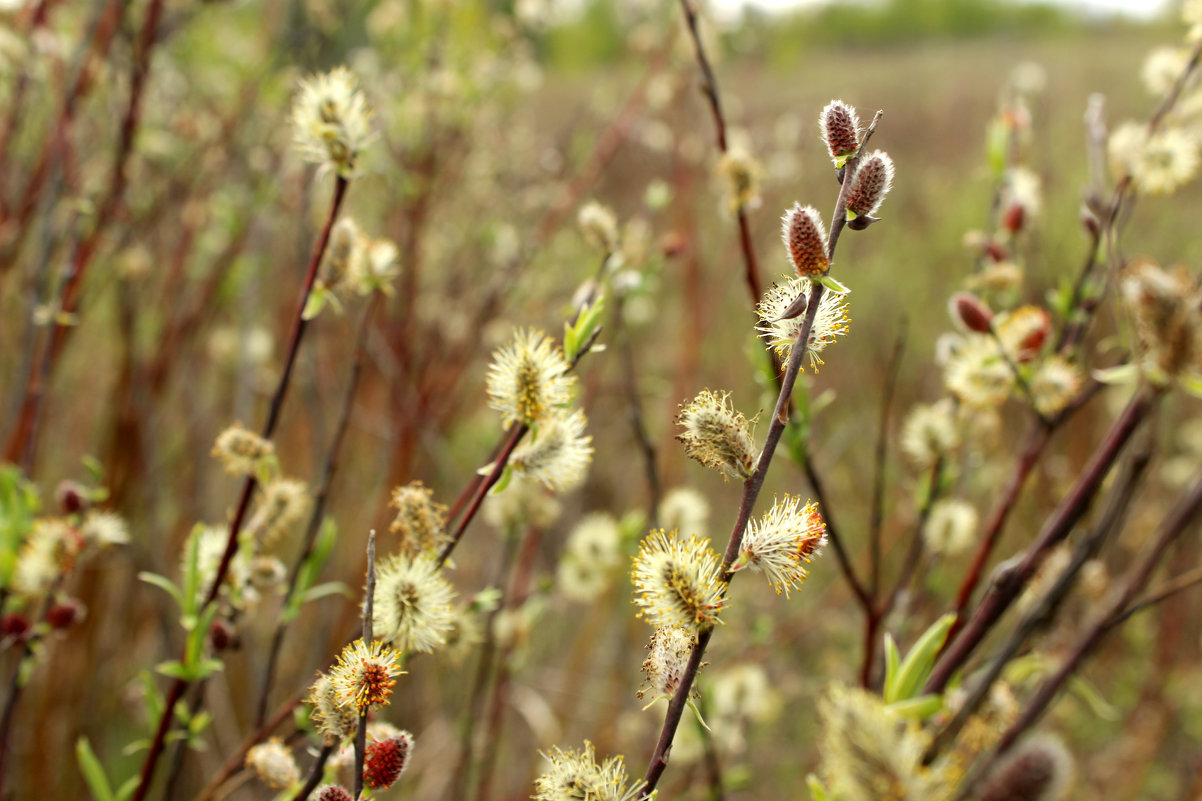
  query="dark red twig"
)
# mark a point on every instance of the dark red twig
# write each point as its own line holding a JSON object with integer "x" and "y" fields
{"x": 299, "y": 324}
{"x": 751, "y": 491}
{"x": 1007, "y": 586}
{"x": 1182, "y": 518}
{"x": 22, "y": 444}
{"x": 319, "y": 498}
{"x": 709, "y": 88}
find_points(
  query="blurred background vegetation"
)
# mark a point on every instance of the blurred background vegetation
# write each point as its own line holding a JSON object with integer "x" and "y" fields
{"x": 497, "y": 120}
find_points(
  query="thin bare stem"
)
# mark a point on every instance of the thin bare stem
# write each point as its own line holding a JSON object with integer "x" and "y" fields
{"x": 1186, "y": 581}
{"x": 315, "y": 772}
{"x": 879, "y": 611}
{"x": 519, "y": 591}
{"x": 713, "y": 766}
{"x": 1037, "y": 437}
{"x": 1009, "y": 584}
{"x": 369, "y": 596}
{"x": 22, "y": 445}
{"x": 1183, "y": 516}
{"x": 319, "y": 499}
{"x": 1112, "y": 519}
{"x": 861, "y": 593}
{"x": 237, "y": 760}
{"x": 709, "y": 87}
{"x": 516, "y": 432}
{"x": 634, "y": 408}
{"x": 877, "y": 514}
{"x": 751, "y": 491}
{"x": 176, "y": 691}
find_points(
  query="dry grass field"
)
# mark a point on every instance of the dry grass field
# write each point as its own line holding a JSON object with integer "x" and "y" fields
{"x": 155, "y": 228}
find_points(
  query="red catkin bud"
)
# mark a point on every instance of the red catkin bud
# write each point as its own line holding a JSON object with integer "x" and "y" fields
{"x": 804, "y": 236}
{"x": 673, "y": 244}
{"x": 64, "y": 614}
{"x": 1037, "y": 772}
{"x": 222, "y": 635}
{"x": 869, "y": 185}
{"x": 332, "y": 792}
{"x": 970, "y": 312}
{"x": 14, "y": 624}
{"x": 840, "y": 131}
{"x": 1013, "y": 218}
{"x": 386, "y": 760}
{"x": 996, "y": 252}
{"x": 1032, "y": 331}
{"x": 71, "y": 496}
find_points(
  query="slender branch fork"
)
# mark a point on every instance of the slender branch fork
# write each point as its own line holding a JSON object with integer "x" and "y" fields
{"x": 319, "y": 500}
{"x": 1009, "y": 584}
{"x": 751, "y": 490}
{"x": 299, "y": 324}
{"x": 1111, "y": 521}
{"x": 22, "y": 443}
{"x": 510, "y": 439}
{"x": 1041, "y": 430}
{"x": 1182, "y": 518}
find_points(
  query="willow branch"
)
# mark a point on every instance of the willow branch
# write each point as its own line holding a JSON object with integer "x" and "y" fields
{"x": 1182, "y": 518}
{"x": 1010, "y": 583}
{"x": 751, "y": 491}
{"x": 299, "y": 325}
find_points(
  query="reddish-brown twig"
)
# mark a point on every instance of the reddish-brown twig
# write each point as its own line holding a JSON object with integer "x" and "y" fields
{"x": 317, "y": 515}
{"x": 176, "y": 691}
{"x": 23, "y": 442}
{"x": 1007, "y": 586}
{"x": 751, "y": 491}
{"x": 709, "y": 87}
{"x": 1179, "y": 520}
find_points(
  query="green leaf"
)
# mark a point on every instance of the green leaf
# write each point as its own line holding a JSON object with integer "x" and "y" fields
{"x": 1024, "y": 667}
{"x": 571, "y": 344}
{"x": 174, "y": 669}
{"x": 326, "y": 538}
{"x": 587, "y": 322}
{"x": 1122, "y": 375}
{"x": 94, "y": 467}
{"x": 1191, "y": 384}
{"x": 131, "y": 784}
{"x": 503, "y": 481}
{"x": 920, "y": 660}
{"x": 137, "y": 745}
{"x": 199, "y": 722}
{"x": 315, "y": 303}
{"x": 487, "y": 600}
{"x": 153, "y": 698}
{"x": 1093, "y": 699}
{"x": 817, "y": 791}
{"x": 326, "y": 589}
{"x": 892, "y": 661}
{"x": 206, "y": 668}
{"x": 997, "y": 143}
{"x": 191, "y": 589}
{"x": 163, "y": 583}
{"x": 834, "y": 284}
{"x": 1060, "y": 299}
{"x": 919, "y": 708}
{"x": 93, "y": 771}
